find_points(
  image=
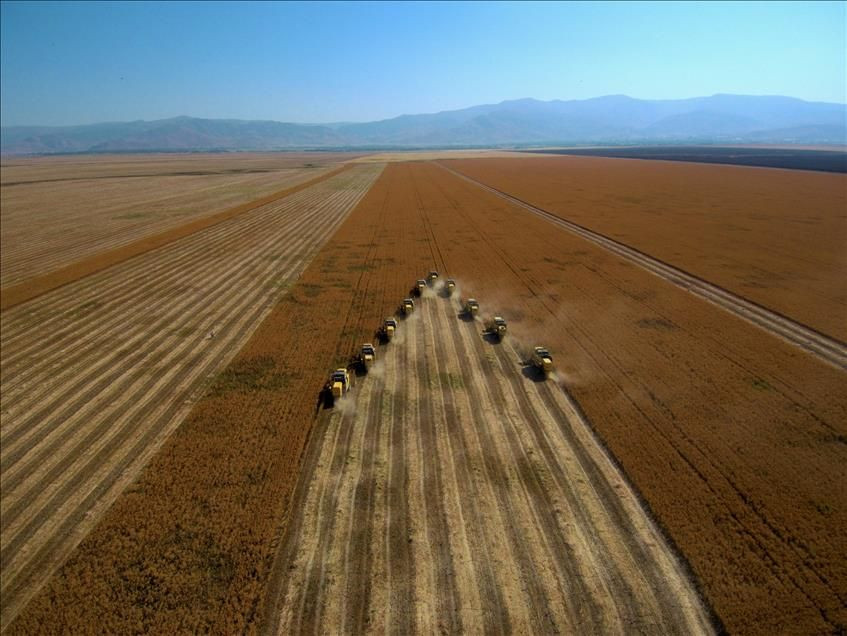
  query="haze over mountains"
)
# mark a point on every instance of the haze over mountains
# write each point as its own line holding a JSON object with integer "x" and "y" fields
{"x": 614, "y": 119}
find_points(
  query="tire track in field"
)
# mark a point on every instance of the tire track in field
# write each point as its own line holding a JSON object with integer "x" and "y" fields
{"x": 95, "y": 448}
{"x": 402, "y": 566}
{"x": 355, "y": 601}
{"x": 825, "y": 348}
{"x": 528, "y": 525}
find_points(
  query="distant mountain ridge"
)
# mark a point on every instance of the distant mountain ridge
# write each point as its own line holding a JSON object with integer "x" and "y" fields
{"x": 613, "y": 119}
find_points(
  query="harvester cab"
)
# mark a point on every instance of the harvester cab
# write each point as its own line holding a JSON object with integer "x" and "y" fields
{"x": 542, "y": 360}
{"x": 388, "y": 328}
{"x": 408, "y": 306}
{"x": 367, "y": 355}
{"x": 451, "y": 286}
{"x": 472, "y": 307}
{"x": 339, "y": 383}
{"x": 497, "y": 327}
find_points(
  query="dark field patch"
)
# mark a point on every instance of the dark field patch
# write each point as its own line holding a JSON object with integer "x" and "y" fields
{"x": 793, "y": 159}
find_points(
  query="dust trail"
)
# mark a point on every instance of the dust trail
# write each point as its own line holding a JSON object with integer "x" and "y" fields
{"x": 346, "y": 405}
{"x": 377, "y": 370}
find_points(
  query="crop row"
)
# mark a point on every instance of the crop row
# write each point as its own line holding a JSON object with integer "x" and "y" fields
{"x": 98, "y": 374}
{"x": 732, "y": 438}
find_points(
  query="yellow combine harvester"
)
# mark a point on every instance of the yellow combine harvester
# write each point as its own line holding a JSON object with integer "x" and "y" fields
{"x": 388, "y": 328}
{"x": 542, "y": 360}
{"x": 497, "y": 327}
{"x": 366, "y": 356}
{"x": 408, "y": 306}
{"x": 450, "y": 286}
{"x": 471, "y": 307}
{"x": 338, "y": 385}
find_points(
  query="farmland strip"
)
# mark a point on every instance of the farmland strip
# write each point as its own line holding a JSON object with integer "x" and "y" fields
{"x": 39, "y": 238}
{"x": 177, "y": 317}
{"x": 818, "y": 344}
{"x": 174, "y": 312}
{"x": 71, "y": 460}
{"x": 22, "y": 292}
{"x": 443, "y": 486}
{"x": 502, "y": 460}
{"x": 54, "y": 309}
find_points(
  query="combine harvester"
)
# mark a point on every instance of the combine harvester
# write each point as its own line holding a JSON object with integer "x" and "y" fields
{"x": 450, "y": 286}
{"x": 338, "y": 385}
{"x": 407, "y": 306}
{"x": 471, "y": 307}
{"x": 432, "y": 277}
{"x": 365, "y": 358}
{"x": 420, "y": 286}
{"x": 496, "y": 327}
{"x": 386, "y": 332}
{"x": 542, "y": 360}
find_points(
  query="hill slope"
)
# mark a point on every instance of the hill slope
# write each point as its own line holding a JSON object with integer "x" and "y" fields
{"x": 612, "y": 119}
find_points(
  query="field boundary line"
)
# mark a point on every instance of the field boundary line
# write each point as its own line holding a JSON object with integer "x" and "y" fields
{"x": 18, "y": 293}
{"x": 820, "y": 345}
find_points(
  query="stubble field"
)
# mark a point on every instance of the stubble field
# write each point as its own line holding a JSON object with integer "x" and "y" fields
{"x": 456, "y": 491}
{"x": 731, "y": 438}
{"x": 58, "y": 210}
{"x": 97, "y": 374}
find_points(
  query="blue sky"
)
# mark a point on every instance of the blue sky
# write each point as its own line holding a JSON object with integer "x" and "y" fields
{"x": 74, "y": 63}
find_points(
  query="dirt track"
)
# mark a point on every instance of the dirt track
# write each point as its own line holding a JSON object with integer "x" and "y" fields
{"x": 456, "y": 490}
{"x": 97, "y": 374}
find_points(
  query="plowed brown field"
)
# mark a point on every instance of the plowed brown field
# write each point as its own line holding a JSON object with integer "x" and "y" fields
{"x": 455, "y": 491}
{"x": 55, "y": 211}
{"x": 777, "y": 237}
{"x": 98, "y": 374}
{"x": 734, "y": 438}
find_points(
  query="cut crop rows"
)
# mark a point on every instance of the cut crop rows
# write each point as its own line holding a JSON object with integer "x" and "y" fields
{"x": 96, "y": 375}
{"x": 484, "y": 505}
{"x": 733, "y": 439}
{"x": 54, "y": 213}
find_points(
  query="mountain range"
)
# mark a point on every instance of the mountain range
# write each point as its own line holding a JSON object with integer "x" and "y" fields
{"x": 614, "y": 120}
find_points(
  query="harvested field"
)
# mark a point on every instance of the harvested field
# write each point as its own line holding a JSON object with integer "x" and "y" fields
{"x": 775, "y": 237}
{"x": 58, "y": 210}
{"x": 455, "y": 491}
{"x": 96, "y": 375}
{"x": 203, "y": 521}
{"x": 733, "y": 438}
{"x": 38, "y": 285}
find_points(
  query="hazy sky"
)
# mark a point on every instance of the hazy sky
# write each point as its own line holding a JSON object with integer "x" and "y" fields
{"x": 70, "y": 63}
